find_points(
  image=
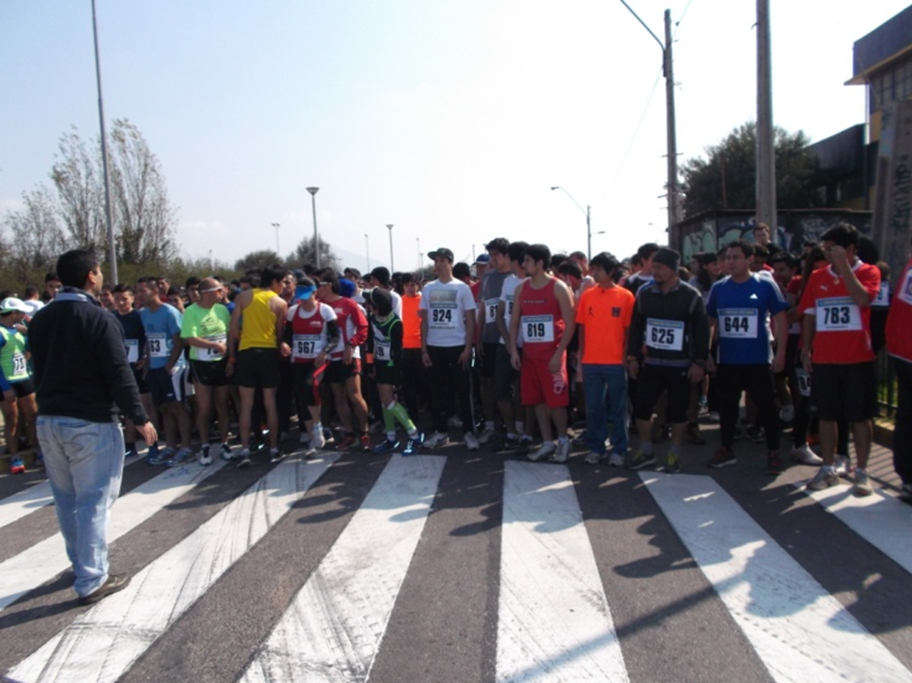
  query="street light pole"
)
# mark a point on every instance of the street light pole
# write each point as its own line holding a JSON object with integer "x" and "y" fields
{"x": 588, "y": 212}
{"x": 368, "y": 249}
{"x": 390, "y": 228}
{"x": 418, "y": 245}
{"x": 278, "y": 251}
{"x": 112, "y": 247}
{"x": 313, "y": 203}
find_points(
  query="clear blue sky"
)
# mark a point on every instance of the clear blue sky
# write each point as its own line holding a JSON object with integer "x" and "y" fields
{"x": 450, "y": 120}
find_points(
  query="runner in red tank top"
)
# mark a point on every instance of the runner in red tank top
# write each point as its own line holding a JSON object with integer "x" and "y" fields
{"x": 543, "y": 314}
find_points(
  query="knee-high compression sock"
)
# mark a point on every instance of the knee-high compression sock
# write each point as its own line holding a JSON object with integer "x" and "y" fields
{"x": 399, "y": 412}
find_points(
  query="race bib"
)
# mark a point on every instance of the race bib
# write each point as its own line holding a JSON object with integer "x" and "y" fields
{"x": 667, "y": 335}
{"x": 158, "y": 345}
{"x": 905, "y": 288}
{"x": 19, "y": 365}
{"x": 538, "y": 329}
{"x": 132, "y": 348}
{"x": 443, "y": 316}
{"x": 383, "y": 351}
{"x": 491, "y": 310}
{"x": 738, "y": 323}
{"x": 804, "y": 382}
{"x": 839, "y": 314}
{"x": 305, "y": 345}
{"x": 882, "y": 300}
{"x": 212, "y": 354}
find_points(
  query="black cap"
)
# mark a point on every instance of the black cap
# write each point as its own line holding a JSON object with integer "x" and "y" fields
{"x": 667, "y": 257}
{"x": 442, "y": 251}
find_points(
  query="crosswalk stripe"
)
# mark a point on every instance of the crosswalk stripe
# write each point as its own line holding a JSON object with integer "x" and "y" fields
{"x": 799, "y": 631}
{"x": 333, "y": 628}
{"x": 46, "y": 559}
{"x": 28, "y": 500}
{"x": 880, "y": 519}
{"x": 554, "y": 623}
{"x": 106, "y": 640}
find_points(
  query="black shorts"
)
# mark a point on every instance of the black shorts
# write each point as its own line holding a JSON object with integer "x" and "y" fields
{"x": 23, "y": 388}
{"x": 140, "y": 377}
{"x": 258, "y": 368}
{"x": 210, "y": 373}
{"x": 488, "y": 367}
{"x": 506, "y": 377}
{"x": 167, "y": 388}
{"x": 845, "y": 391}
{"x": 338, "y": 372}
{"x": 652, "y": 380}
{"x": 305, "y": 380}
{"x": 387, "y": 374}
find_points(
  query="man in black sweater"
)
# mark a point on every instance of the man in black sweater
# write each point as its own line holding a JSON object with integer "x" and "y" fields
{"x": 82, "y": 379}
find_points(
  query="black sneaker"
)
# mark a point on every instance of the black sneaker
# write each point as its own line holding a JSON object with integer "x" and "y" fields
{"x": 722, "y": 458}
{"x": 115, "y": 583}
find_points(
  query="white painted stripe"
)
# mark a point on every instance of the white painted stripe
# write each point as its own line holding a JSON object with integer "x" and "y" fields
{"x": 554, "y": 623}
{"x": 881, "y": 519}
{"x": 43, "y": 561}
{"x": 800, "y": 632}
{"x": 332, "y": 629}
{"x": 28, "y": 500}
{"x": 105, "y": 641}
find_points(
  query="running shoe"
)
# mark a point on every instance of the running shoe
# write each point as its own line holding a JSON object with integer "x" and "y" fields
{"x": 471, "y": 441}
{"x": 436, "y": 440}
{"x": 562, "y": 454}
{"x": 545, "y": 451}
{"x": 277, "y": 455}
{"x": 386, "y": 446}
{"x": 525, "y": 445}
{"x": 454, "y": 422}
{"x": 694, "y": 434}
{"x": 181, "y": 457}
{"x": 17, "y": 466}
{"x": 594, "y": 458}
{"x": 152, "y": 454}
{"x": 773, "y": 463}
{"x": 639, "y": 460}
{"x": 346, "y": 442}
{"x": 413, "y": 444}
{"x": 317, "y": 439}
{"x": 205, "y": 457}
{"x": 508, "y": 443}
{"x": 843, "y": 465}
{"x": 804, "y": 454}
{"x": 130, "y": 452}
{"x": 225, "y": 453}
{"x": 485, "y": 435}
{"x": 824, "y": 479}
{"x": 243, "y": 459}
{"x": 723, "y": 458}
{"x": 161, "y": 456}
{"x": 616, "y": 460}
{"x": 862, "y": 483}
{"x": 365, "y": 441}
{"x": 756, "y": 434}
{"x": 672, "y": 463}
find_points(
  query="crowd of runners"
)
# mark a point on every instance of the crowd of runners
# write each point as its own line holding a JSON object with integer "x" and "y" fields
{"x": 523, "y": 351}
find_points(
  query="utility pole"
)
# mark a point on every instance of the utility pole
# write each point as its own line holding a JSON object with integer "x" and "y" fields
{"x": 766, "y": 150}
{"x": 112, "y": 246}
{"x": 672, "y": 144}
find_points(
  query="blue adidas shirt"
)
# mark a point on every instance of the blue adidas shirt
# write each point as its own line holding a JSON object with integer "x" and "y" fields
{"x": 742, "y": 312}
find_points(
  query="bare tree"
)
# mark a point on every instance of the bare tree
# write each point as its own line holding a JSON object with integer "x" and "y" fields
{"x": 36, "y": 236}
{"x": 80, "y": 191}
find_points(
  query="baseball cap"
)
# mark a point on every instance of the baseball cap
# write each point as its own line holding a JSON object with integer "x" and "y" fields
{"x": 442, "y": 251}
{"x": 11, "y": 303}
{"x": 483, "y": 259}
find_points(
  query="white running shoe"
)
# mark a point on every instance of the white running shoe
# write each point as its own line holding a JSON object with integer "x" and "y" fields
{"x": 843, "y": 465}
{"x": 317, "y": 439}
{"x": 485, "y": 435}
{"x": 562, "y": 454}
{"x": 436, "y": 440}
{"x": 471, "y": 441}
{"x": 454, "y": 422}
{"x": 546, "y": 450}
{"x": 593, "y": 458}
{"x": 616, "y": 460}
{"x": 804, "y": 454}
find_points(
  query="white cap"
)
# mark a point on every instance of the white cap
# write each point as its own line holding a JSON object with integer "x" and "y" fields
{"x": 11, "y": 303}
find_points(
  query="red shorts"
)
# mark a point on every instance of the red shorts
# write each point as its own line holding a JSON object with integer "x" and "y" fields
{"x": 538, "y": 385}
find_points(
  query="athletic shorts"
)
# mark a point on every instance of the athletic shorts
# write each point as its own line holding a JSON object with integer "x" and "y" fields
{"x": 504, "y": 374}
{"x": 305, "y": 378}
{"x": 258, "y": 368}
{"x": 167, "y": 388}
{"x": 387, "y": 374}
{"x": 845, "y": 391}
{"x": 338, "y": 372}
{"x": 23, "y": 387}
{"x": 538, "y": 385}
{"x": 652, "y": 380}
{"x": 139, "y": 376}
{"x": 488, "y": 365}
{"x": 210, "y": 373}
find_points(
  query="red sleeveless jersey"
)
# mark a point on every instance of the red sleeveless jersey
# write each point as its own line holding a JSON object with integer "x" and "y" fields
{"x": 542, "y": 324}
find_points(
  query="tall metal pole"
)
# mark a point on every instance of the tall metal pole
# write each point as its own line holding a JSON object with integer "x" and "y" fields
{"x": 276, "y": 226}
{"x": 418, "y": 250}
{"x": 672, "y": 144}
{"x": 390, "y": 228}
{"x": 766, "y": 151}
{"x": 367, "y": 247}
{"x": 112, "y": 247}
{"x": 313, "y": 204}
{"x": 588, "y": 232}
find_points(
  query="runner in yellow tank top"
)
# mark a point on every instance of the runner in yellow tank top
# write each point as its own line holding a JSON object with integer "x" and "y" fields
{"x": 257, "y": 326}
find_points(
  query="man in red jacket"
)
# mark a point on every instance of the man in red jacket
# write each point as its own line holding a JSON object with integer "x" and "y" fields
{"x": 899, "y": 345}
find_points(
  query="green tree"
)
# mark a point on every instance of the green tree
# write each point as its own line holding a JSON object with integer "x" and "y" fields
{"x": 726, "y": 178}
{"x": 257, "y": 260}
{"x": 304, "y": 253}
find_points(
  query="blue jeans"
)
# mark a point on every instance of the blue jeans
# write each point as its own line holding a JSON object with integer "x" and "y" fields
{"x": 605, "y": 388}
{"x": 84, "y": 463}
